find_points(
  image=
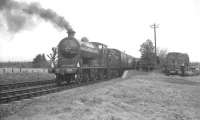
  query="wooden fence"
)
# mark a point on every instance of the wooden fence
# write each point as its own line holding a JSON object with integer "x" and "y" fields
{"x": 23, "y": 70}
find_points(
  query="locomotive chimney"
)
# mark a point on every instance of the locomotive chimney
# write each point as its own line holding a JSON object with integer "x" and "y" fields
{"x": 71, "y": 33}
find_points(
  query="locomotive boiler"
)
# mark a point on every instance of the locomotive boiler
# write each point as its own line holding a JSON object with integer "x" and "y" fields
{"x": 82, "y": 61}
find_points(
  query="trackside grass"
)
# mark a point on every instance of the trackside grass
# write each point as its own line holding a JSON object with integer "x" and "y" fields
{"x": 9, "y": 78}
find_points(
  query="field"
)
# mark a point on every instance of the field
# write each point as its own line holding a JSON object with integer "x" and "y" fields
{"x": 136, "y": 96}
{"x": 8, "y": 78}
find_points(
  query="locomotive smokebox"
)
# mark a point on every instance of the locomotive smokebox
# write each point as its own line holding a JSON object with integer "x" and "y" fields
{"x": 71, "y": 33}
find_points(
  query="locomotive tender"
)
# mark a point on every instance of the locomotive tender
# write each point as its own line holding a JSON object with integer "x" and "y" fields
{"x": 82, "y": 61}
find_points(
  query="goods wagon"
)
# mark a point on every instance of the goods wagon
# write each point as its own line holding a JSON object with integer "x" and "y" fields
{"x": 176, "y": 63}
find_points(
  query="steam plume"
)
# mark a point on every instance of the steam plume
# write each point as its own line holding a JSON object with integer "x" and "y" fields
{"x": 19, "y": 15}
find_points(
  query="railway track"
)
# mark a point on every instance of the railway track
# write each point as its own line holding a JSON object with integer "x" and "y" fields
{"x": 19, "y": 91}
{"x": 25, "y": 84}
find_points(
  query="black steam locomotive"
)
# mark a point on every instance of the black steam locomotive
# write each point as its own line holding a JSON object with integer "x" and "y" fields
{"x": 82, "y": 61}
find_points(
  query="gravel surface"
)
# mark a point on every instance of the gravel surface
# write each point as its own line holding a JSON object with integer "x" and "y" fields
{"x": 138, "y": 96}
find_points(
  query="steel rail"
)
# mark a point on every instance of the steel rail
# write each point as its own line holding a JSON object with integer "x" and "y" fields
{"x": 25, "y": 84}
{"x": 29, "y": 92}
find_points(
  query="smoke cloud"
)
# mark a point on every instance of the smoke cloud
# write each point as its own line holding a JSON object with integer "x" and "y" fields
{"x": 19, "y": 15}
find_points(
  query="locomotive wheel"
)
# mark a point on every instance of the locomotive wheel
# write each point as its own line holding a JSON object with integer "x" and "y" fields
{"x": 66, "y": 79}
{"x": 69, "y": 78}
{"x": 114, "y": 73}
{"x": 119, "y": 73}
{"x": 93, "y": 74}
{"x": 59, "y": 79}
{"x": 78, "y": 77}
{"x": 96, "y": 74}
{"x": 106, "y": 74}
{"x": 86, "y": 75}
{"x": 109, "y": 74}
{"x": 101, "y": 75}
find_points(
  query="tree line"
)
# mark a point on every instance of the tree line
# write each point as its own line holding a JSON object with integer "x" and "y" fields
{"x": 40, "y": 60}
{"x": 149, "y": 60}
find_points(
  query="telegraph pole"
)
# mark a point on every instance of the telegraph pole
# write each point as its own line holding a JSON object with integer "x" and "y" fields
{"x": 154, "y": 26}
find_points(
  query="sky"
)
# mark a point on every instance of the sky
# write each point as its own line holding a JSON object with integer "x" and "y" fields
{"x": 120, "y": 24}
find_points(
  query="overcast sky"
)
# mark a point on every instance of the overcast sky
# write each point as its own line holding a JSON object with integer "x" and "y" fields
{"x": 120, "y": 24}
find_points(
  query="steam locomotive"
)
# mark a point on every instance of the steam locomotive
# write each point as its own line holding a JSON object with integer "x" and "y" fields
{"x": 82, "y": 61}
